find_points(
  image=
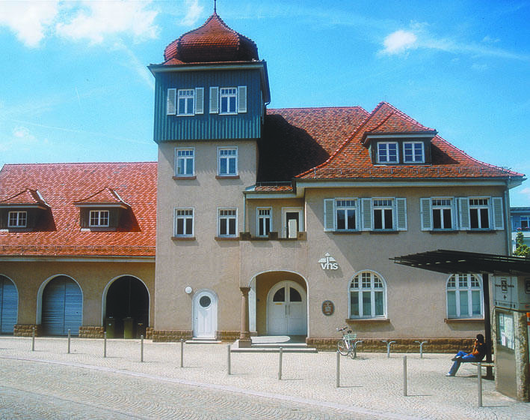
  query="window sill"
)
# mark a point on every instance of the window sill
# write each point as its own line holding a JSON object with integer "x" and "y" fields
{"x": 346, "y": 232}
{"x": 99, "y": 229}
{"x": 368, "y": 321}
{"x": 442, "y": 231}
{"x": 472, "y": 231}
{"x": 227, "y": 177}
{"x": 384, "y": 231}
{"x": 184, "y": 178}
{"x": 227, "y": 238}
{"x": 464, "y": 320}
{"x": 183, "y": 238}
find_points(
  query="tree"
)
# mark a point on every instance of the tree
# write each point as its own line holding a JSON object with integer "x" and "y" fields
{"x": 521, "y": 249}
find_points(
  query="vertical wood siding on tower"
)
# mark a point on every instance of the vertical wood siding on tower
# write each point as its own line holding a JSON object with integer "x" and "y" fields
{"x": 208, "y": 126}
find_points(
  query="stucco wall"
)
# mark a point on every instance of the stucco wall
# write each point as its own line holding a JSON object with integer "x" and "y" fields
{"x": 94, "y": 278}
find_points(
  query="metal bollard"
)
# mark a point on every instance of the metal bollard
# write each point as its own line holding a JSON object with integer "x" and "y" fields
{"x": 280, "y": 366}
{"x": 105, "y": 344}
{"x": 181, "y": 352}
{"x": 229, "y": 361}
{"x": 405, "y": 376}
{"x": 388, "y": 344}
{"x": 141, "y": 348}
{"x": 337, "y": 385}
{"x": 421, "y": 343}
{"x": 33, "y": 340}
{"x": 479, "y": 377}
{"x": 69, "y": 337}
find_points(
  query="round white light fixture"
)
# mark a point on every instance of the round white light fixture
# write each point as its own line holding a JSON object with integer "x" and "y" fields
{"x": 188, "y": 290}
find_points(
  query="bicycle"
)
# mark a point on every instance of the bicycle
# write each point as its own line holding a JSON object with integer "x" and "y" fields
{"x": 347, "y": 345}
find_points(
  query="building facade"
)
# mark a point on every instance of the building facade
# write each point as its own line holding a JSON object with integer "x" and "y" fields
{"x": 278, "y": 222}
{"x": 77, "y": 248}
{"x": 283, "y": 222}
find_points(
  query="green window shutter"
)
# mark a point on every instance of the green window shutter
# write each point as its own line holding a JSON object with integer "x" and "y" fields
{"x": 84, "y": 218}
{"x": 199, "y": 100}
{"x": 214, "y": 100}
{"x": 329, "y": 215}
{"x": 114, "y": 217}
{"x": 366, "y": 213}
{"x": 171, "y": 105}
{"x": 241, "y": 99}
{"x": 463, "y": 213}
{"x": 498, "y": 220}
{"x": 401, "y": 210}
{"x": 425, "y": 213}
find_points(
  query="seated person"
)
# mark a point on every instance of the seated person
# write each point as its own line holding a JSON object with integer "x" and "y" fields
{"x": 476, "y": 355}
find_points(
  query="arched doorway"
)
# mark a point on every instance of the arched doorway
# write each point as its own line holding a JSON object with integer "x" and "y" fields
{"x": 286, "y": 309}
{"x": 8, "y": 305}
{"x": 62, "y": 307}
{"x": 127, "y": 308}
{"x": 205, "y": 315}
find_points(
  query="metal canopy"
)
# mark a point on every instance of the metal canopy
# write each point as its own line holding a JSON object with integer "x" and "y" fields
{"x": 460, "y": 262}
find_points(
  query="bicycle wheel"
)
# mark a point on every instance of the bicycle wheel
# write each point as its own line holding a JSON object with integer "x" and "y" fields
{"x": 341, "y": 346}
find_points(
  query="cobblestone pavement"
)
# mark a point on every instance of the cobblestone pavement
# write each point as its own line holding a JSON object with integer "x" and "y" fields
{"x": 49, "y": 383}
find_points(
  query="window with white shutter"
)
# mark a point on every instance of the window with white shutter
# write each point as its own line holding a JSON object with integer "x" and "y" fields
{"x": 214, "y": 100}
{"x": 171, "y": 102}
{"x": 242, "y": 99}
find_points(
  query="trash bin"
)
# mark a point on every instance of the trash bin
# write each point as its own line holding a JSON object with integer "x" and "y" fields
{"x": 128, "y": 327}
{"x": 110, "y": 327}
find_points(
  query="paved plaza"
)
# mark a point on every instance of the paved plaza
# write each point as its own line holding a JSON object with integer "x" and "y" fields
{"x": 50, "y": 383}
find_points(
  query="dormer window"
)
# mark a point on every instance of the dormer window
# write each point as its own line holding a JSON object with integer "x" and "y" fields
{"x": 23, "y": 211}
{"x": 413, "y": 152}
{"x": 17, "y": 219}
{"x": 400, "y": 148}
{"x": 103, "y": 211}
{"x": 99, "y": 218}
{"x": 387, "y": 152}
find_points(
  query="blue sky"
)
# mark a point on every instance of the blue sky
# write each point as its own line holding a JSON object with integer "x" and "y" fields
{"x": 74, "y": 84}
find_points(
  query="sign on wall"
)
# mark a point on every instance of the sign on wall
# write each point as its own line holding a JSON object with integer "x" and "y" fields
{"x": 328, "y": 307}
{"x": 328, "y": 263}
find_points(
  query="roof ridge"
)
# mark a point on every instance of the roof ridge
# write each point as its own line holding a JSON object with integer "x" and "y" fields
{"x": 402, "y": 114}
{"x": 319, "y": 107}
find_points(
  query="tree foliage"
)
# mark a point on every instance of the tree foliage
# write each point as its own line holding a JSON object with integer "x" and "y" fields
{"x": 521, "y": 249}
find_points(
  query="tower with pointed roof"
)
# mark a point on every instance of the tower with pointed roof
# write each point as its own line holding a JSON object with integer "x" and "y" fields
{"x": 210, "y": 102}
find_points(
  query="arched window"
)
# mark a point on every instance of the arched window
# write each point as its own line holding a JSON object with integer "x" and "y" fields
{"x": 464, "y": 296}
{"x": 367, "y": 296}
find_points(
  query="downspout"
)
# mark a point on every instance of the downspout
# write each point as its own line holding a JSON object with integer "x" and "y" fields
{"x": 508, "y": 225}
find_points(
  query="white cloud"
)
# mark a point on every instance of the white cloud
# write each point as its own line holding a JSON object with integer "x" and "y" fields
{"x": 193, "y": 12}
{"x": 96, "y": 20}
{"x": 399, "y": 41}
{"x": 28, "y": 20}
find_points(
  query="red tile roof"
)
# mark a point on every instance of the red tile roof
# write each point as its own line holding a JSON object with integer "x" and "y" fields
{"x": 104, "y": 196}
{"x": 297, "y": 139}
{"x": 24, "y": 198}
{"x": 214, "y": 41}
{"x": 61, "y": 185}
{"x": 332, "y": 143}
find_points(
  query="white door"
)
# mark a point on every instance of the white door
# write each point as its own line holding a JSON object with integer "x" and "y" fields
{"x": 205, "y": 314}
{"x": 286, "y": 309}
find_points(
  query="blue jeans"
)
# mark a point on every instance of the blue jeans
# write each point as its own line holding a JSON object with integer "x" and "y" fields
{"x": 462, "y": 357}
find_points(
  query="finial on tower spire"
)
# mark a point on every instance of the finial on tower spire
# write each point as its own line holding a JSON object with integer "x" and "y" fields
{"x": 215, "y": 6}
